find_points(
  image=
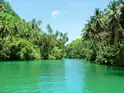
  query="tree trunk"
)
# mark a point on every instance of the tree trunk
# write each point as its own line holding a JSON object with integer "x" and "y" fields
{"x": 114, "y": 37}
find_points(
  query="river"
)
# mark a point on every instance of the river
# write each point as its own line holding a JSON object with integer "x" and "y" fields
{"x": 56, "y": 76}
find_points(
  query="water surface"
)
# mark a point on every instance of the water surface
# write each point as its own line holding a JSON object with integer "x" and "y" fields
{"x": 68, "y": 76}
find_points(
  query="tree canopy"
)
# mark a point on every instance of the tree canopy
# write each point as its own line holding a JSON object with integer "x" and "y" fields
{"x": 102, "y": 37}
{"x": 22, "y": 40}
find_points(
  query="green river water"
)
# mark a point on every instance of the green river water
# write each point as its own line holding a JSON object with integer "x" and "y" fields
{"x": 68, "y": 76}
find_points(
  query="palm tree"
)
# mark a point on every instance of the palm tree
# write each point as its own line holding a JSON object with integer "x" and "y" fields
{"x": 65, "y": 37}
{"x": 97, "y": 23}
{"x": 61, "y": 34}
{"x": 57, "y": 33}
{"x": 49, "y": 29}
{"x": 36, "y": 23}
{"x": 5, "y": 27}
{"x": 114, "y": 21}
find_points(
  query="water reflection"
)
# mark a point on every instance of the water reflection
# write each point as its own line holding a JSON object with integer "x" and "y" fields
{"x": 57, "y": 76}
{"x": 52, "y": 77}
{"x": 103, "y": 79}
{"x": 74, "y": 76}
{"x": 18, "y": 77}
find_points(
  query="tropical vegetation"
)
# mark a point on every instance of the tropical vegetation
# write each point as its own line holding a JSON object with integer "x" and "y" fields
{"x": 102, "y": 37}
{"x": 25, "y": 40}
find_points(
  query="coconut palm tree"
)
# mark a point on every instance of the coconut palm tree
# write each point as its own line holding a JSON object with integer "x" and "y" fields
{"x": 114, "y": 21}
{"x": 97, "y": 24}
{"x": 36, "y": 23}
{"x": 49, "y": 29}
{"x": 57, "y": 33}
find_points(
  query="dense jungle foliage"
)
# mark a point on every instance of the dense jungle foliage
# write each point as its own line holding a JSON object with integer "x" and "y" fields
{"x": 21, "y": 40}
{"x": 102, "y": 37}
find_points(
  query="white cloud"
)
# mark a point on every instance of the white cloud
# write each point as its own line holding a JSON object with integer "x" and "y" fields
{"x": 55, "y": 13}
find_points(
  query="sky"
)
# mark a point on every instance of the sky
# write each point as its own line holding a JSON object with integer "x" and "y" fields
{"x": 64, "y": 15}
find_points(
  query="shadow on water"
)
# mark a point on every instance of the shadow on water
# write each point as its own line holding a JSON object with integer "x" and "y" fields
{"x": 103, "y": 79}
{"x": 114, "y": 71}
{"x": 103, "y": 70}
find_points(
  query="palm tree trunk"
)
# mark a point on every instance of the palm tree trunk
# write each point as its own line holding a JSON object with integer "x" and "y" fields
{"x": 114, "y": 37}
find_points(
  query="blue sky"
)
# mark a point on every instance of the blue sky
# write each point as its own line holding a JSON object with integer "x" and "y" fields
{"x": 63, "y": 15}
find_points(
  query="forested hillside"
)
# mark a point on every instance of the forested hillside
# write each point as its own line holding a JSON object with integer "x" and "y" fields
{"x": 22, "y": 40}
